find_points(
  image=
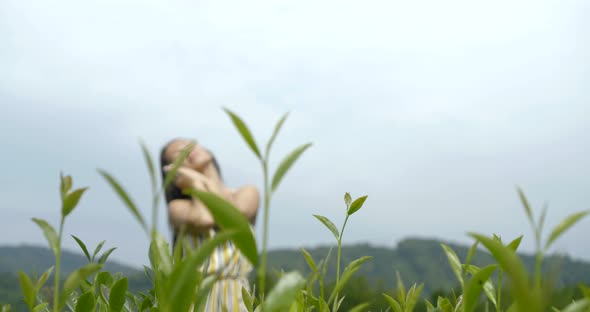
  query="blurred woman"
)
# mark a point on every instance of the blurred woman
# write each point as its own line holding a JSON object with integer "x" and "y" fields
{"x": 201, "y": 171}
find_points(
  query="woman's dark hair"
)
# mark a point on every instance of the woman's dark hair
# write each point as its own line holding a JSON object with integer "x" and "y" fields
{"x": 172, "y": 191}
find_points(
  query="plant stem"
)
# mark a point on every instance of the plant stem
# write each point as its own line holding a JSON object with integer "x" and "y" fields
{"x": 57, "y": 268}
{"x": 262, "y": 266}
{"x": 499, "y": 300}
{"x": 338, "y": 259}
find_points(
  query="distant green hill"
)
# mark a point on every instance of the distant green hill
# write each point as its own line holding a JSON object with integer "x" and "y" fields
{"x": 420, "y": 261}
{"x": 33, "y": 259}
{"x": 417, "y": 260}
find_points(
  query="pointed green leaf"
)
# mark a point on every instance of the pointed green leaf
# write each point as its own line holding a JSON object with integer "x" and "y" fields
{"x": 244, "y": 132}
{"x": 475, "y": 286}
{"x": 106, "y": 255}
{"x": 395, "y": 306}
{"x": 401, "y": 288}
{"x": 247, "y": 299}
{"x": 413, "y": 296}
{"x": 488, "y": 287}
{"x": 97, "y": 250}
{"x": 170, "y": 175}
{"x": 83, "y": 246}
{"x": 309, "y": 260}
{"x": 347, "y": 200}
{"x": 444, "y": 304}
{"x": 86, "y": 302}
{"x": 49, "y": 233}
{"x": 471, "y": 252}
{"x": 40, "y": 307}
{"x": 286, "y": 164}
{"x": 125, "y": 198}
{"x": 75, "y": 279}
{"x": 541, "y": 222}
{"x": 41, "y": 281}
{"x": 454, "y": 262}
{"x": 346, "y": 275}
{"x": 149, "y": 162}
{"x": 28, "y": 290}
{"x": 275, "y": 133}
{"x": 357, "y": 204}
{"x": 515, "y": 243}
{"x": 284, "y": 292}
{"x": 65, "y": 185}
{"x": 359, "y": 307}
{"x": 513, "y": 266}
{"x": 324, "y": 270}
{"x": 117, "y": 295}
{"x": 328, "y": 224}
{"x": 581, "y": 305}
{"x": 527, "y": 207}
{"x": 229, "y": 218}
{"x": 565, "y": 225}
{"x": 71, "y": 201}
{"x": 429, "y": 306}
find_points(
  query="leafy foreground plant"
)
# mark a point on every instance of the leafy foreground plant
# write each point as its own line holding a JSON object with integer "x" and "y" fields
{"x": 179, "y": 286}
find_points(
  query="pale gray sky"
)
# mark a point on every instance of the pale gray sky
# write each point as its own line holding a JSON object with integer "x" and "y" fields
{"x": 435, "y": 109}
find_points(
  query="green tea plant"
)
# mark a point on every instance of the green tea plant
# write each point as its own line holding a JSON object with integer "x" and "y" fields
{"x": 178, "y": 285}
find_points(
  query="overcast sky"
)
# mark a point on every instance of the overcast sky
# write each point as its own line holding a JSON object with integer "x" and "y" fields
{"x": 435, "y": 109}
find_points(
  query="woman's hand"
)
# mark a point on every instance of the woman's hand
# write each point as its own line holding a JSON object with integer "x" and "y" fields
{"x": 190, "y": 178}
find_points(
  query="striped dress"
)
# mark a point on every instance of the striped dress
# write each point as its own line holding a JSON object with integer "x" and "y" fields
{"x": 232, "y": 268}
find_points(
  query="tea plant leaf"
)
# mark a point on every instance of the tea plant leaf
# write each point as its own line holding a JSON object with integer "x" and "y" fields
{"x": 401, "y": 288}
{"x": 475, "y": 285}
{"x": 395, "y": 306}
{"x": 429, "y": 306}
{"x": 49, "y": 233}
{"x": 541, "y": 222}
{"x": 413, "y": 296}
{"x": 149, "y": 162}
{"x": 527, "y": 207}
{"x": 488, "y": 287}
{"x": 75, "y": 279}
{"x": 444, "y": 304}
{"x": 359, "y": 307}
{"x": 309, "y": 260}
{"x": 230, "y": 219}
{"x": 124, "y": 197}
{"x": 86, "y": 302}
{"x": 471, "y": 252}
{"x": 106, "y": 255}
{"x": 71, "y": 201}
{"x": 26, "y": 285}
{"x": 244, "y": 132}
{"x": 177, "y": 163}
{"x": 65, "y": 185}
{"x": 515, "y": 243}
{"x": 117, "y": 295}
{"x": 286, "y": 164}
{"x": 247, "y": 299}
{"x": 43, "y": 278}
{"x": 278, "y": 127}
{"x": 581, "y": 305}
{"x": 347, "y": 200}
{"x": 40, "y": 307}
{"x": 349, "y": 271}
{"x": 97, "y": 250}
{"x": 82, "y": 246}
{"x": 357, "y": 204}
{"x": 160, "y": 256}
{"x": 454, "y": 262}
{"x": 284, "y": 292}
{"x": 564, "y": 226}
{"x": 515, "y": 269}
{"x": 328, "y": 224}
